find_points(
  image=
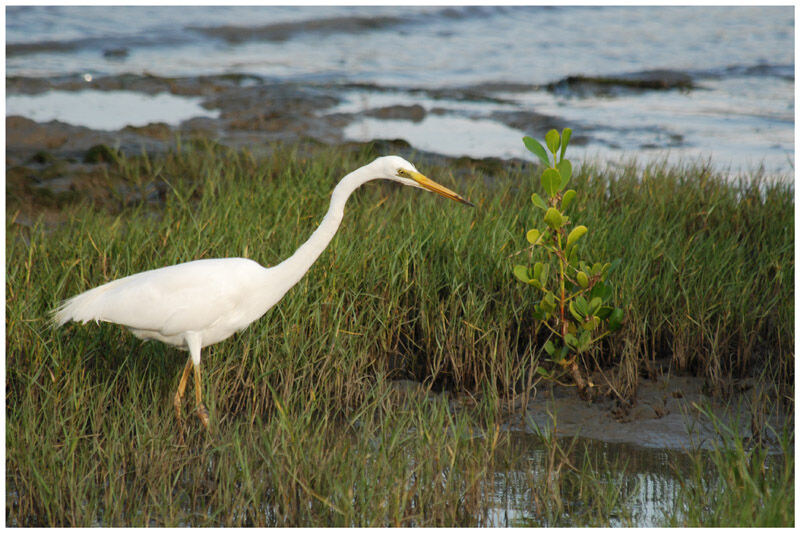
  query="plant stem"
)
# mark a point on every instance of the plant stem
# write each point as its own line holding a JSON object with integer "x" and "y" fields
{"x": 561, "y": 298}
{"x": 573, "y": 367}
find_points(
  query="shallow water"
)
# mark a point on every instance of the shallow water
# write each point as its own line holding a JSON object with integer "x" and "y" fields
{"x": 429, "y": 46}
{"x": 646, "y": 480}
{"x": 106, "y": 110}
{"x": 740, "y": 61}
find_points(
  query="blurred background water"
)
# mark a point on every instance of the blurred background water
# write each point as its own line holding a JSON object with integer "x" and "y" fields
{"x": 739, "y": 62}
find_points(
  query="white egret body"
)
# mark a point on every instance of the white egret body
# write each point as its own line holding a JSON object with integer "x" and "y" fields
{"x": 196, "y": 304}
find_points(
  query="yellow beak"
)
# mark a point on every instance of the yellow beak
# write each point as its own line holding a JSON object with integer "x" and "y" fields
{"x": 427, "y": 183}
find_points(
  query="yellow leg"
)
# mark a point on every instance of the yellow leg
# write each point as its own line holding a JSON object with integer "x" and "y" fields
{"x": 182, "y": 389}
{"x": 202, "y": 412}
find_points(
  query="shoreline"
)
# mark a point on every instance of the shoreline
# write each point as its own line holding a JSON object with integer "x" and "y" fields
{"x": 485, "y": 120}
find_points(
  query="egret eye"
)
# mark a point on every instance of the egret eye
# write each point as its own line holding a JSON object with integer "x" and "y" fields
{"x": 403, "y": 173}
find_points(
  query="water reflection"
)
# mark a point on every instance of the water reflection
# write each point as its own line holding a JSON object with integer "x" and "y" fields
{"x": 106, "y": 110}
{"x": 599, "y": 483}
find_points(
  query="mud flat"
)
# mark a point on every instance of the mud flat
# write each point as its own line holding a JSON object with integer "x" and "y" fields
{"x": 665, "y": 413}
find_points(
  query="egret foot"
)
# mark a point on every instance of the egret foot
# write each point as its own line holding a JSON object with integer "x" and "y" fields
{"x": 177, "y": 403}
{"x": 202, "y": 414}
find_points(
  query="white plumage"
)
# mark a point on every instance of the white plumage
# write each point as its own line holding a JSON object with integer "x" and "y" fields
{"x": 215, "y": 297}
{"x": 193, "y": 305}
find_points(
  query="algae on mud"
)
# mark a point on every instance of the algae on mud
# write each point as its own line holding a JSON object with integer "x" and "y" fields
{"x": 308, "y": 432}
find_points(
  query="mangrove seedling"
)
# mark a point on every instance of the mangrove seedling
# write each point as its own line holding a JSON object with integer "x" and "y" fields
{"x": 573, "y": 296}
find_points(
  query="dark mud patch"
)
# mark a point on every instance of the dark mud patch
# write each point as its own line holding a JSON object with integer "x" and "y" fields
{"x": 144, "y": 83}
{"x": 536, "y": 124}
{"x": 414, "y": 113}
{"x": 42, "y": 187}
{"x": 26, "y": 138}
{"x": 666, "y": 413}
{"x": 650, "y": 80}
{"x": 287, "y": 30}
{"x": 471, "y": 93}
{"x": 15, "y": 49}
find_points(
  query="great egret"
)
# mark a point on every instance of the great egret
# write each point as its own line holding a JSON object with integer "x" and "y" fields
{"x": 196, "y": 304}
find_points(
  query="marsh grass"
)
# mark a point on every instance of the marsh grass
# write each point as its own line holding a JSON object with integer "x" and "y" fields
{"x": 306, "y": 429}
{"x": 740, "y": 481}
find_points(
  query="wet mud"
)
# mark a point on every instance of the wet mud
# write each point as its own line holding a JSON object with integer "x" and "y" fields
{"x": 667, "y": 413}
{"x": 254, "y": 110}
{"x": 652, "y": 80}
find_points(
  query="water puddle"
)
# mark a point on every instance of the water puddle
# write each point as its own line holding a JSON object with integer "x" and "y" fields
{"x": 448, "y": 127}
{"x": 106, "y": 110}
{"x": 446, "y": 135}
{"x": 643, "y": 486}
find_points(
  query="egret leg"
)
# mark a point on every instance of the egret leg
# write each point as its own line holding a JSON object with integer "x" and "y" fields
{"x": 182, "y": 389}
{"x": 193, "y": 342}
{"x": 202, "y": 412}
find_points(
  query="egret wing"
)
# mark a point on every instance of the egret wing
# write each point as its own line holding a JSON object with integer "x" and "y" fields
{"x": 185, "y": 297}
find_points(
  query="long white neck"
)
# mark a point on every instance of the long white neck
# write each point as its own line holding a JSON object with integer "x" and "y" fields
{"x": 294, "y": 268}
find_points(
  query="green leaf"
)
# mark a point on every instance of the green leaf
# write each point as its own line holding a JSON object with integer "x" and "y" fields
{"x": 615, "y": 320}
{"x": 565, "y": 136}
{"x": 571, "y": 340}
{"x": 604, "y": 312}
{"x": 585, "y": 340}
{"x": 533, "y": 235}
{"x": 549, "y": 348}
{"x": 583, "y": 279}
{"x": 537, "y": 149}
{"x": 553, "y": 218}
{"x": 548, "y": 303}
{"x": 553, "y": 140}
{"x": 601, "y": 290}
{"x": 594, "y": 304}
{"x": 575, "y": 312}
{"x": 565, "y": 169}
{"x": 542, "y": 277}
{"x": 572, "y": 254}
{"x": 542, "y": 372}
{"x": 538, "y": 202}
{"x": 521, "y": 272}
{"x": 581, "y": 306}
{"x": 567, "y": 198}
{"x": 551, "y": 181}
{"x": 575, "y": 234}
{"x": 560, "y": 354}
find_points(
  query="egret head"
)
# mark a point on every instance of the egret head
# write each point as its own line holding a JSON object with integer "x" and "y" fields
{"x": 398, "y": 169}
